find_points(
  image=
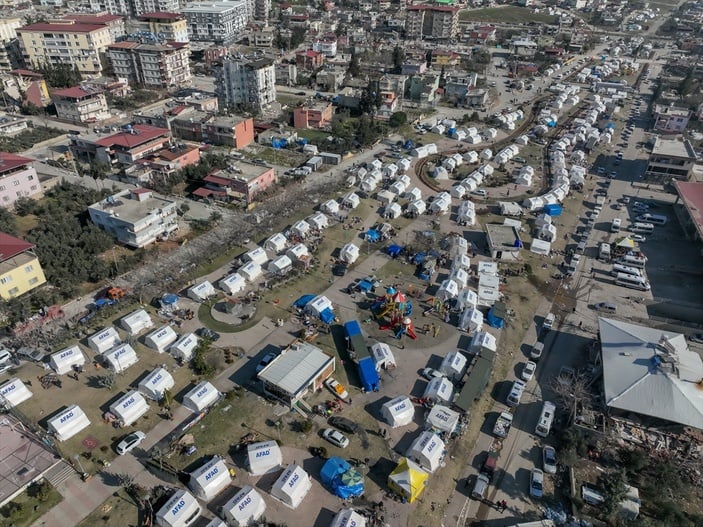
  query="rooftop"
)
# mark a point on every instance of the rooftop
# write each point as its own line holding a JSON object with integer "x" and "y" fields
{"x": 663, "y": 109}
{"x": 294, "y": 370}
{"x": 139, "y": 46}
{"x": 213, "y": 7}
{"x": 66, "y": 27}
{"x": 500, "y": 235}
{"x": 137, "y": 135}
{"x": 9, "y": 162}
{"x": 161, "y": 15}
{"x": 128, "y": 208}
{"x": 11, "y": 246}
{"x": 243, "y": 171}
{"x": 76, "y": 92}
{"x": 92, "y": 18}
{"x": 673, "y": 148}
{"x": 691, "y": 194}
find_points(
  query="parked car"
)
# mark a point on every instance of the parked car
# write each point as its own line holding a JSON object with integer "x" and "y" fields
{"x": 639, "y": 206}
{"x": 613, "y": 174}
{"x": 336, "y": 388}
{"x": 130, "y": 442}
{"x": 268, "y": 358}
{"x": 528, "y": 371}
{"x": 696, "y": 337}
{"x": 536, "y": 351}
{"x": 431, "y": 373}
{"x": 480, "y": 192}
{"x": 344, "y": 424}
{"x": 6, "y": 361}
{"x": 480, "y": 487}
{"x": 638, "y": 238}
{"x": 339, "y": 269}
{"x": 207, "y": 333}
{"x": 549, "y": 459}
{"x": 536, "y": 483}
{"x": 335, "y": 437}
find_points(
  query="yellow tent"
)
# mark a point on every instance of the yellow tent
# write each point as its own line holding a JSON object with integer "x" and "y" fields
{"x": 408, "y": 480}
{"x": 626, "y": 242}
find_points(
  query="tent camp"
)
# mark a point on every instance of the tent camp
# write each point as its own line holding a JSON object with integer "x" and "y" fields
{"x": 439, "y": 390}
{"x": 398, "y": 412}
{"x": 540, "y": 247}
{"x": 120, "y": 358}
{"x": 447, "y": 290}
{"x": 280, "y": 265}
{"x": 245, "y": 508}
{"x": 161, "y": 339}
{"x": 276, "y": 243}
{"x": 428, "y": 451}
{"x": 154, "y": 384}
{"x": 263, "y": 457}
{"x": 318, "y": 221}
{"x": 292, "y": 486}
{"x": 351, "y": 201}
{"x": 129, "y": 408}
{"x": 63, "y": 361}
{"x": 321, "y": 306}
{"x": 297, "y": 252}
{"x": 13, "y": 392}
{"x": 330, "y": 207}
{"x": 466, "y": 299}
{"x": 202, "y": 291}
{"x": 383, "y": 356}
{"x": 417, "y": 208}
{"x": 300, "y": 229}
{"x": 454, "y": 365}
{"x": 340, "y": 478}
{"x": 136, "y": 322}
{"x": 183, "y": 348}
{"x": 413, "y": 194}
{"x": 67, "y": 423}
{"x": 471, "y": 320}
{"x": 442, "y": 419}
{"x": 408, "y": 480}
{"x": 104, "y": 340}
{"x": 385, "y": 197}
{"x": 482, "y": 340}
{"x": 210, "y": 479}
{"x": 257, "y": 256}
{"x": 460, "y": 276}
{"x": 349, "y": 253}
{"x": 250, "y": 271}
{"x": 461, "y": 261}
{"x": 181, "y": 510}
{"x": 441, "y": 205}
{"x": 201, "y": 397}
{"x": 233, "y": 284}
{"x": 348, "y": 518}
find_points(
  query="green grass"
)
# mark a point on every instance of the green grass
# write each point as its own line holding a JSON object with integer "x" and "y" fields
{"x": 32, "y": 508}
{"x": 507, "y": 14}
{"x": 315, "y": 136}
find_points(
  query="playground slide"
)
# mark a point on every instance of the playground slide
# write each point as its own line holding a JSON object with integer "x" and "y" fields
{"x": 411, "y": 331}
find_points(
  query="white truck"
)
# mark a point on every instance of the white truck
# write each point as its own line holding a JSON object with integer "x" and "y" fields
{"x": 503, "y": 424}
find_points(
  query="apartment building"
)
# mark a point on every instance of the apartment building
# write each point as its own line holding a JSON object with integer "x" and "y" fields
{"x": 670, "y": 159}
{"x": 136, "y": 217}
{"x": 262, "y": 9}
{"x": 168, "y": 26}
{"x": 158, "y": 65}
{"x": 18, "y": 179}
{"x": 125, "y": 147}
{"x": 248, "y": 83}
{"x": 115, "y": 23}
{"x": 234, "y": 131}
{"x": 670, "y": 119}
{"x": 162, "y": 164}
{"x": 218, "y": 22}
{"x": 243, "y": 182}
{"x": 80, "y": 104}
{"x": 309, "y": 59}
{"x": 134, "y": 8}
{"x": 65, "y": 42}
{"x": 20, "y": 270}
{"x": 10, "y": 53}
{"x": 316, "y": 115}
{"x": 437, "y": 22}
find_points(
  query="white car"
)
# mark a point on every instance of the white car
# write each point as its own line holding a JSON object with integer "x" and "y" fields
{"x": 335, "y": 437}
{"x": 431, "y": 373}
{"x": 528, "y": 371}
{"x": 638, "y": 238}
{"x": 336, "y": 388}
{"x": 480, "y": 192}
{"x": 130, "y": 442}
{"x": 549, "y": 459}
{"x": 536, "y": 483}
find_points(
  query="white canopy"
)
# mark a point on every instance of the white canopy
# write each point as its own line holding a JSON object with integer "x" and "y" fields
{"x": 454, "y": 365}
{"x": 200, "y": 397}
{"x": 439, "y": 389}
{"x": 398, "y": 412}
{"x": 276, "y": 243}
{"x": 67, "y": 423}
{"x": 413, "y": 194}
{"x": 458, "y": 191}
{"x": 318, "y": 221}
{"x": 330, "y": 207}
{"x": 161, "y": 339}
{"x": 427, "y": 450}
{"x": 245, "y": 508}
{"x": 300, "y": 228}
{"x": 181, "y": 510}
{"x": 129, "y": 407}
{"x": 385, "y": 197}
{"x": 482, "y": 340}
{"x": 471, "y": 319}
{"x": 63, "y": 361}
{"x": 202, "y": 291}
{"x": 104, "y": 340}
{"x": 183, "y": 348}
{"x": 383, "y": 356}
{"x": 264, "y": 457}
{"x": 137, "y": 321}
{"x": 14, "y": 392}
{"x": 318, "y": 304}
{"x": 210, "y": 479}
{"x": 233, "y": 284}
{"x": 441, "y": 205}
{"x": 154, "y": 384}
{"x": 448, "y": 290}
{"x": 348, "y": 518}
{"x": 280, "y": 265}
{"x": 121, "y": 358}
{"x": 398, "y": 187}
{"x": 297, "y": 252}
{"x": 417, "y": 207}
{"x": 257, "y": 256}
{"x": 351, "y": 200}
{"x": 250, "y": 271}
{"x": 349, "y": 253}
{"x": 292, "y": 486}
{"x": 442, "y": 419}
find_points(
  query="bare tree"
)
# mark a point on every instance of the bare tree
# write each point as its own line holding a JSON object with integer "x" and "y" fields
{"x": 571, "y": 391}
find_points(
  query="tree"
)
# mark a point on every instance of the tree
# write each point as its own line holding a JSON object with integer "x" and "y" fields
{"x": 297, "y": 37}
{"x": 61, "y": 75}
{"x": 398, "y": 119}
{"x": 354, "y": 69}
{"x": 7, "y": 222}
{"x": 614, "y": 486}
{"x": 398, "y": 59}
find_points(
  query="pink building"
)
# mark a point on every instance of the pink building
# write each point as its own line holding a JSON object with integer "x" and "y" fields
{"x": 18, "y": 179}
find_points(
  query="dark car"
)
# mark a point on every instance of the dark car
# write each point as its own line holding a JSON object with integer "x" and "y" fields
{"x": 207, "y": 333}
{"x": 339, "y": 270}
{"x": 302, "y": 93}
{"x": 344, "y": 424}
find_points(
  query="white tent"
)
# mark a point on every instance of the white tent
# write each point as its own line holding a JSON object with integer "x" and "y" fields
{"x": 161, "y": 339}
{"x": 413, "y": 194}
{"x": 392, "y": 211}
{"x": 417, "y": 207}
{"x": 233, "y": 284}
{"x": 292, "y": 486}
{"x": 200, "y": 397}
{"x": 524, "y": 180}
{"x": 154, "y": 384}
{"x": 540, "y": 247}
{"x": 210, "y": 479}
{"x": 136, "y": 322}
{"x": 398, "y": 412}
{"x": 349, "y": 253}
{"x": 67, "y": 423}
{"x": 548, "y": 233}
{"x": 300, "y": 229}
{"x": 390, "y": 170}
{"x": 13, "y": 392}
{"x": 471, "y": 319}
{"x": 318, "y": 304}
{"x": 454, "y": 365}
{"x": 461, "y": 277}
{"x": 202, "y": 291}
{"x": 428, "y": 451}
{"x": 104, "y": 340}
{"x": 318, "y": 221}
{"x": 483, "y": 340}
{"x": 183, "y": 348}
{"x": 461, "y": 261}
{"x": 351, "y": 201}
{"x": 276, "y": 243}
{"x": 466, "y": 299}
{"x": 441, "y": 173}
{"x": 439, "y": 390}
{"x": 348, "y": 518}
{"x": 385, "y": 197}
{"x": 404, "y": 164}
{"x": 130, "y": 407}
{"x": 458, "y": 191}
{"x": 447, "y": 290}
{"x": 470, "y": 157}
{"x": 330, "y": 207}
{"x": 264, "y": 457}
{"x": 181, "y": 510}
{"x": 250, "y": 271}
{"x": 297, "y": 252}
{"x": 257, "y": 256}
{"x": 245, "y": 508}
{"x": 486, "y": 154}
{"x": 441, "y": 205}
{"x": 121, "y": 358}
{"x": 442, "y": 419}
{"x": 542, "y": 220}
{"x": 63, "y": 361}
{"x": 216, "y": 522}
{"x": 280, "y": 265}
{"x": 383, "y": 356}
{"x": 398, "y": 188}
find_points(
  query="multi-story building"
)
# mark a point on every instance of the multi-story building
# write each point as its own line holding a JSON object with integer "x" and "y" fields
{"x": 65, "y": 42}
{"x": 136, "y": 217}
{"x": 162, "y": 164}
{"x": 134, "y": 8}
{"x": 218, "y": 22}
{"x": 309, "y": 59}
{"x": 246, "y": 83}
{"x": 236, "y": 131}
{"x": 327, "y": 46}
{"x": 80, "y": 104}
{"x": 20, "y": 270}
{"x": 287, "y": 74}
{"x": 10, "y": 53}
{"x": 437, "y": 22}
{"x": 670, "y": 159}
{"x": 18, "y": 179}
{"x": 262, "y": 9}
{"x": 243, "y": 183}
{"x": 114, "y": 22}
{"x": 167, "y": 26}
{"x": 316, "y": 115}
{"x": 670, "y": 120}
{"x": 151, "y": 65}
{"x": 125, "y": 147}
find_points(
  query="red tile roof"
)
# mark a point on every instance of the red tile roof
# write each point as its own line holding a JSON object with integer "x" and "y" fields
{"x": 217, "y": 180}
{"x": 11, "y": 161}
{"x": 75, "y": 92}
{"x": 26, "y": 73}
{"x": 144, "y": 134}
{"x": 691, "y": 194}
{"x": 34, "y": 94}
{"x": 161, "y": 15}
{"x": 62, "y": 28}
{"x": 203, "y": 192}
{"x": 11, "y": 246}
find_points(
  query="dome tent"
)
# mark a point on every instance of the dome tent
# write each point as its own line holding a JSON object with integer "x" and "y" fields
{"x": 428, "y": 451}
{"x": 63, "y": 361}
{"x": 161, "y": 339}
{"x": 263, "y": 457}
{"x": 129, "y": 408}
{"x": 181, "y": 510}
{"x": 343, "y": 480}
{"x": 408, "y": 480}
{"x": 439, "y": 390}
{"x": 121, "y": 358}
{"x": 398, "y": 412}
{"x": 13, "y": 393}
{"x": 104, "y": 340}
{"x": 183, "y": 348}
{"x": 442, "y": 419}
{"x": 245, "y": 508}
{"x": 67, "y": 423}
{"x": 292, "y": 486}
{"x": 210, "y": 479}
{"x": 155, "y": 383}
{"x": 202, "y": 396}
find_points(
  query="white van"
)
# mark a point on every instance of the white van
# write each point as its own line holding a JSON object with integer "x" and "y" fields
{"x": 548, "y": 321}
{"x": 516, "y": 393}
{"x": 656, "y": 219}
{"x": 625, "y": 269}
{"x": 633, "y": 282}
{"x": 544, "y": 424}
{"x": 642, "y": 228}
{"x": 604, "y": 252}
{"x": 632, "y": 261}
{"x": 615, "y": 226}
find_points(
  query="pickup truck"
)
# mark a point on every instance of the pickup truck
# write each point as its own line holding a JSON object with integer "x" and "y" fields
{"x": 503, "y": 424}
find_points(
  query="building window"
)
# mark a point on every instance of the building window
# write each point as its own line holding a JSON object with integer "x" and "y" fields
{"x": 2, "y": 187}
{"x": 29, "y": 268}
{"x": 6, "y": 198}
{"x": 33, "y": 280}
{"x": 14, "y": 291}
{"x": 6, "y": 279}
{"x": 16, "y": 183}
{"x": 30, "y": 178}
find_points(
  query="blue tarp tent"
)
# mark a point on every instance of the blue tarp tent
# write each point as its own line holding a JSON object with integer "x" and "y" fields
{"x": 303, "y": 301}
{"x": 341, "y": 478}
{"x": 553, "y": 209}
{"x": 372, "y": 235}
{"x": 364, "y": 286}
{"x": 169, "y": 299}
{"x": 493, "y": 320}
{"x": 327, "y": 315}
{"x": 394, "y": 250}
{"x": 368, "y": 375}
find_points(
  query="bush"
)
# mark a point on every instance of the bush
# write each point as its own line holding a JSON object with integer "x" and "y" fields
{"x": 306, "y": 426}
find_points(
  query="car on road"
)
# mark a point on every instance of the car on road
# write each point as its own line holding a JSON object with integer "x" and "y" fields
{"x": 528, "y": 371}
{"x": 549, "y": 459}
{"x": 625, "y": 199}
{"x": 130, "y": 442}
{"x": 431, "y": 373}
{"x": 640, "y": 207}
{"x": 638, "y": 238}
{"x": 613, "y": 174}
{"x": 336, "y": 388}
{"x": 301, "y": 93}
{"x": 268, "y": 358}
{"x": 536, "y": 483}
{"x": 207, "y": 333}
{"x": 601, "y": 171}
{"x": 339, "y": 270}
{"x": 518, "y": 159}
{"x": 344, "y": 424}
{"x": 335, "y": 437}
{"x": 480, "y": 192}
{"x": 480, "y": 487}
{"x": 696, "y": 337}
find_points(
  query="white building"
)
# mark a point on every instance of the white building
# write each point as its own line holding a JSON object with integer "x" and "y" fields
{"x": 245, "y": 83}
{"x": 218, "y": 22}
{"x": 202, "y": 291}
{"x": 427, "y": 450}
{"x": 347, "y": 518}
